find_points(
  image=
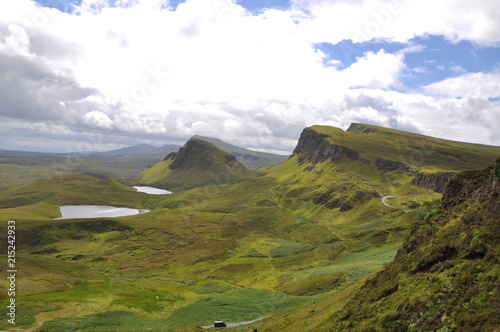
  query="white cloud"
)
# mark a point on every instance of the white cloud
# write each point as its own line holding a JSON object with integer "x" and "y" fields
{"x": 457, "y": 69}
{"x": 401, "y": 20}
{"x": 212, "y": 68}
{"x": 98, "y": 119}
{"x": 477, "y": 85}
{"x": 375, "y": 70}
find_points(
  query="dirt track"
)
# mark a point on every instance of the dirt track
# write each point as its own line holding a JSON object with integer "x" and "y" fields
{"x": 383, "y": 201}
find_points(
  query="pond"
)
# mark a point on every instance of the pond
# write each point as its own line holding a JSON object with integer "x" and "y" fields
{"x": 96, "y": 211}
{"x": 152, "y": 191}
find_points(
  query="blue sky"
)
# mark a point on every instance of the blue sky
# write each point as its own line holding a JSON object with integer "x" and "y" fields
{"x": 435, "y": 60}
{"x": 255, "y": 6}
{"x": 251, "y": 72}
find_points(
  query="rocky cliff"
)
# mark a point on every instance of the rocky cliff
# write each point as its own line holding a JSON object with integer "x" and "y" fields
{"x": 446, "y": 277}
{"x": 435, "y": 181}
{"x": 315, "y": 148}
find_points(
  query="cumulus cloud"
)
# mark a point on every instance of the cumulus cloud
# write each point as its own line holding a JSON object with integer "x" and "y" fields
{"x": 98, "y": 119}
{"x": 139, "y": 69}
{"x": 375, "y": 70}
{"x": 478, "y": 85}
{"x": 402, "y": 20}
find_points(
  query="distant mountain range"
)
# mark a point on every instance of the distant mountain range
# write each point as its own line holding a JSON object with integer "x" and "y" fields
{"x": 136, "y": 149}
{"x": 249, "y": 158}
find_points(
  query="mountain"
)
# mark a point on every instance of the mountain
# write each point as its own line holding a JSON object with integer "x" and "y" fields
{"x": 131, "y": 150}
{"x": 346, "y": 169}
{"x": 197, "y": 163}
{"x": 249, "y": 158}
{"x": 445, "y": 277}
{"x": 16, "y": 153}
{"x": 136, "y": 149}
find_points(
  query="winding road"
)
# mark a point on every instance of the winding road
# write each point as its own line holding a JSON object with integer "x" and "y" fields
{"x": 385, "y": 203}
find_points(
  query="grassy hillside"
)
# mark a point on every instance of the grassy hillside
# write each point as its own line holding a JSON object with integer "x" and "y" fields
{"x": 444, "y": 278}
{"x": 297, "y": 242}
{"x": 249, "y": 158}
{"x": 422, "y": 153}
{"x": 16, "y": 171}
{"x": 77, "y": 189}
{"x": 197, "y": 163}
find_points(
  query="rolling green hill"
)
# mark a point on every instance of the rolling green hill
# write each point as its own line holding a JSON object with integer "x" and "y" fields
{"x": 197, "y": 163}
{"x": 299, "y": 241}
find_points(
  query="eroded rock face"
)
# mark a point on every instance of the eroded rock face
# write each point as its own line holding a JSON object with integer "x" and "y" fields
{"x": 481, "y": 185}
{"x": 314, "y": 148}
{"x": 309, "y": 140}
{"x": 435, "y": 181}
{"x": 390, "y": 165}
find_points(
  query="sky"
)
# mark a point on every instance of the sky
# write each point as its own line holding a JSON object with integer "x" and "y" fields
{"x": 80, "y": 75}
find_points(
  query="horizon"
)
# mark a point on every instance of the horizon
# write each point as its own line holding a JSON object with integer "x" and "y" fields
{"x": 254, "y": 149}
{"x": 77, "y": 75}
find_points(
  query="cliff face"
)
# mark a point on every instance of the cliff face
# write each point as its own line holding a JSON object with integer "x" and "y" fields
{"x": 315, "y": 148}
{"x": 390, "y": 165}
{"x": 482, "y": 186}
{"x": 446, "y": 276}
{"x": 435, "y": 181}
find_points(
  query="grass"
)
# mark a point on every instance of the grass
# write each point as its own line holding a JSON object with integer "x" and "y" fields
{"x": 280, "y": 243}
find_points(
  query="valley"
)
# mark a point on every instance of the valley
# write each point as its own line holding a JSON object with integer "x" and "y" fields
{"x": 347, "y": 221}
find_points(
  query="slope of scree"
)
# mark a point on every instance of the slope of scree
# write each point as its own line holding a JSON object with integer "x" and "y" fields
{"x": 197, "y": 163}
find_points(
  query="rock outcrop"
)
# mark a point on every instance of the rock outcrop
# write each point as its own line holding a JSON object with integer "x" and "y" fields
{"x": 435, "y": 181}
{"x": 449, "y": 262}
{"x": 359, "y": 128}
{"x": 390, "y": 165}
{"x": 481, "y": 185}
{"x": 313, "y": 147}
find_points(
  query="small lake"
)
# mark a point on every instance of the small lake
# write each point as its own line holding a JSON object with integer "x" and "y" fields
{"x": 96, "y": 211}
{"x": 152, "y": 191}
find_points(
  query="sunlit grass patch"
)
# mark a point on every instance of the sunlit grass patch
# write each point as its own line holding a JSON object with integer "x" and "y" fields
{"x": 286, "y": 248}
{"x": 238, "y": 305}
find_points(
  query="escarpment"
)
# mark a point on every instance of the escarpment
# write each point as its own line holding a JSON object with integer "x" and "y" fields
{"x": 315, "y": 148}
{"x": 435, "y": 181}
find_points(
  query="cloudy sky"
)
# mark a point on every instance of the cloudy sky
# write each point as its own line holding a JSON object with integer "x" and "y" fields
{"x": 103, "y": 74}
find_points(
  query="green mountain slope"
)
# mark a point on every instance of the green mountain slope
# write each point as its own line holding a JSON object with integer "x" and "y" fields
{"x": 197, "y": 163}
{"x": 421, "y": 153}
{"x": 446, "y": 276}
{"x": 249, "y": 158}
